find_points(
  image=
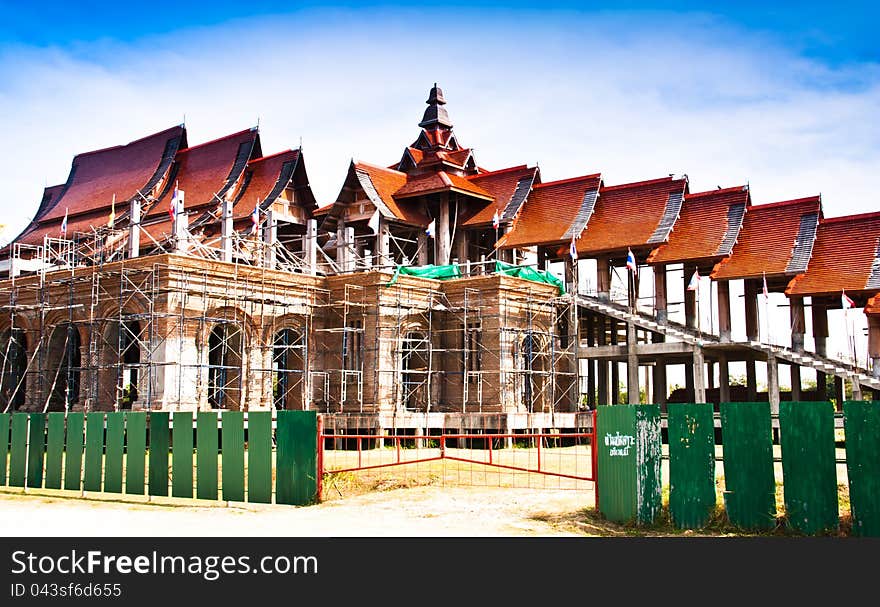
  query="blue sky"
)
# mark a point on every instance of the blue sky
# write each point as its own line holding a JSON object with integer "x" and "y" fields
{"x": 784, "y": 98}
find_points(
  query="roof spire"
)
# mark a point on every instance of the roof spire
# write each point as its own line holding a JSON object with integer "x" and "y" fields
{"x": 435, "y": 114}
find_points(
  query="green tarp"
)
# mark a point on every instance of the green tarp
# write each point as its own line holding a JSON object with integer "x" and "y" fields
{"x": 529, "y": 273}
{"x": 435, "y": 272}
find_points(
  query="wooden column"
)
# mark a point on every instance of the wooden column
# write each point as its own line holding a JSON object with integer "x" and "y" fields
{"x": 796, "y": 314}
{"x": 569, "y": 274}
{"x": 795, "y": 371}
{"x": 442, "y": 249}
{"x": 750, "y": 287}
{"x": 591, "y": 364}
{"x": 661, "y": 390}
{"x": 661, "y": 313}
{"x": 632, "y": 365}
{"x": 690, "y": 394}
{"x": 723, "y": 379}
{"x": 724, "y": 310}
{"x": 542, "y": 258}
{"x": 461, "y": 245}
{"x": 819, "y": 314}
{"x": 603, "y": 279}
{"x": 690, "y": 299}
{"x": 423, "y": 245}
{"x": 839, "y": 392}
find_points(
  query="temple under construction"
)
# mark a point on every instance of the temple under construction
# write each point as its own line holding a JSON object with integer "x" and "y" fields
{"x": 164, "y": 276}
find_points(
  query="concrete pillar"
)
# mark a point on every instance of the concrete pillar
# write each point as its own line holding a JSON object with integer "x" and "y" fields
{"x": 724, "y": 310}
{"x": 796, "y": 313}
{"x": 751, "y": 381}
{"x": 689, "y": 387}
{"x": 723, "y": 379}
{"x": 383, "y": 244}
{"x": 603, "y": 279}
{"x": 773, "y": 384}
{"x": 750, "y": 287}
{"x": 344, "y": 245}
{"x": 795, "y": 371}
{"x": 699, "y": 384}
{"x": 602, "y": 375}
{"x": 570, "y": 277}
{"x": 820, "y": 326}
{"x": 661, "y": 312}
{"x": 423, "y": 244}
{"x": 661, "y": 391}
{"x": 632, "y": 365}
{"x": 874, "y": 344}
{"x": 615, "y": 367}
{"x": 856, "y": 389}
{"x": 134, "y": 228}
{"x": 690, "y": 299}
{"x": 839, "y": 393}
{"x": 310, "y": 246}
{"x": 226, "y": 230}
{"x": 180, "y": 224}
{"x": 461, "y": 245}
{"x": 442, "y": 244}
{"x": 270, "y": 238}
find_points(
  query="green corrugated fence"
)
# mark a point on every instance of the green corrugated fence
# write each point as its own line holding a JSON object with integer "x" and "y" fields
{"x": 861, "y": 421}
{"x": 129, "y": 452}
{"x": 806, "y": 436}
{"x": 750, "y": 487}
{"x": 691, "y": 464}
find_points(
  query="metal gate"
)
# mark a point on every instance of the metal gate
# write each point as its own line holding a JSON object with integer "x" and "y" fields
{"x": 532, "y": 458}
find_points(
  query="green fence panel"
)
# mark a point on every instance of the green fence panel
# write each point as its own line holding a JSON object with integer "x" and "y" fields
{"x": 259, "y": 454}
{"x": 809, "y": 467}
{"x": 73, "y": 451}
{"x": 94, "y": 452}
{"x": 36, "y": 449}
{"x": 54, "y": 450}
{"x": 4, "y": 446}
{"x": 113, "y": 458}
{"x": 628, "y": 439}
{"x": 135, "y": 452}
{"x": 747, "y": 445}
{"x": 206, "y": 456}
{"x": 691, "y": 464}
{"x": 861, "y": 421}
{"x": 159, "y": 445}
{"x": 18, "y": 450}
{"x": 182, "y": 454}
{"x": 232, "y": 455}
{"x": 296, "y": 464}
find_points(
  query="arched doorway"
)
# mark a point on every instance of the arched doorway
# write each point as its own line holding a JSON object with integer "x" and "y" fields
{"x": 63, "y": 367}
{"x": 120, "y": 365}
{"x": 13, "y": 371}
{"x": 531, "y": 371}
{"x": 288, "y": 369}
{"x": 225, "y": 355}
{"x": 414, "y": 367}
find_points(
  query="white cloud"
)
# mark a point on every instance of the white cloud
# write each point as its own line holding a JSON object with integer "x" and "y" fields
{"x": 632, "y": 97}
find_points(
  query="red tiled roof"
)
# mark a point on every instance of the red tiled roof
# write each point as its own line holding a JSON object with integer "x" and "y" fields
{"x": 844, "y": 255}
{"x": 52, "y": 228}
{"x": 501, "y": 185}
{"x": 264, "y": 175}
{"x": 204, "y": 170}
{"x": 323, "y": 210}
{"x": 121, "y": 170}
{"x": 628, "y": 215}
{"x": 702, "y": 226}
{"x": 439, "y": 182}
{"x": 549, "y": 211}
{"x": 387, "y": 182}
{"x": 767, "y": 239}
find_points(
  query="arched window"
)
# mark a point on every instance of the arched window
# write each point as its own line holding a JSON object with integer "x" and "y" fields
{"x": 288, "y": 369}
{"x": 13, "y": 372}
{"x": 530, "y": 367}
{"x": 120, "y": 359}
{"x": 63, "y": 368}
{"x": 414, "y": 365}
{"x": 225, "y": 354}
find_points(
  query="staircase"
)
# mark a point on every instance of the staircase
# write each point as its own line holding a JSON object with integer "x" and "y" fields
{"x": 690, "y": 336}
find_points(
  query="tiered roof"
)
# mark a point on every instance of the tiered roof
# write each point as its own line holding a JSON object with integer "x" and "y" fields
{"x": 775, "y": 240}
{"x": 633, "y": 215}
{"x": 707, "y": 226}
{"x": 846, "y": 256}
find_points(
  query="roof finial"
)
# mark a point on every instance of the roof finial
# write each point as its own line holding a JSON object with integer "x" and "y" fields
{"x": 435, "y": 113}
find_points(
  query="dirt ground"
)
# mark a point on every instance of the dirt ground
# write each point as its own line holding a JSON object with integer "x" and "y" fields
{"x": 428, "y": 511}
